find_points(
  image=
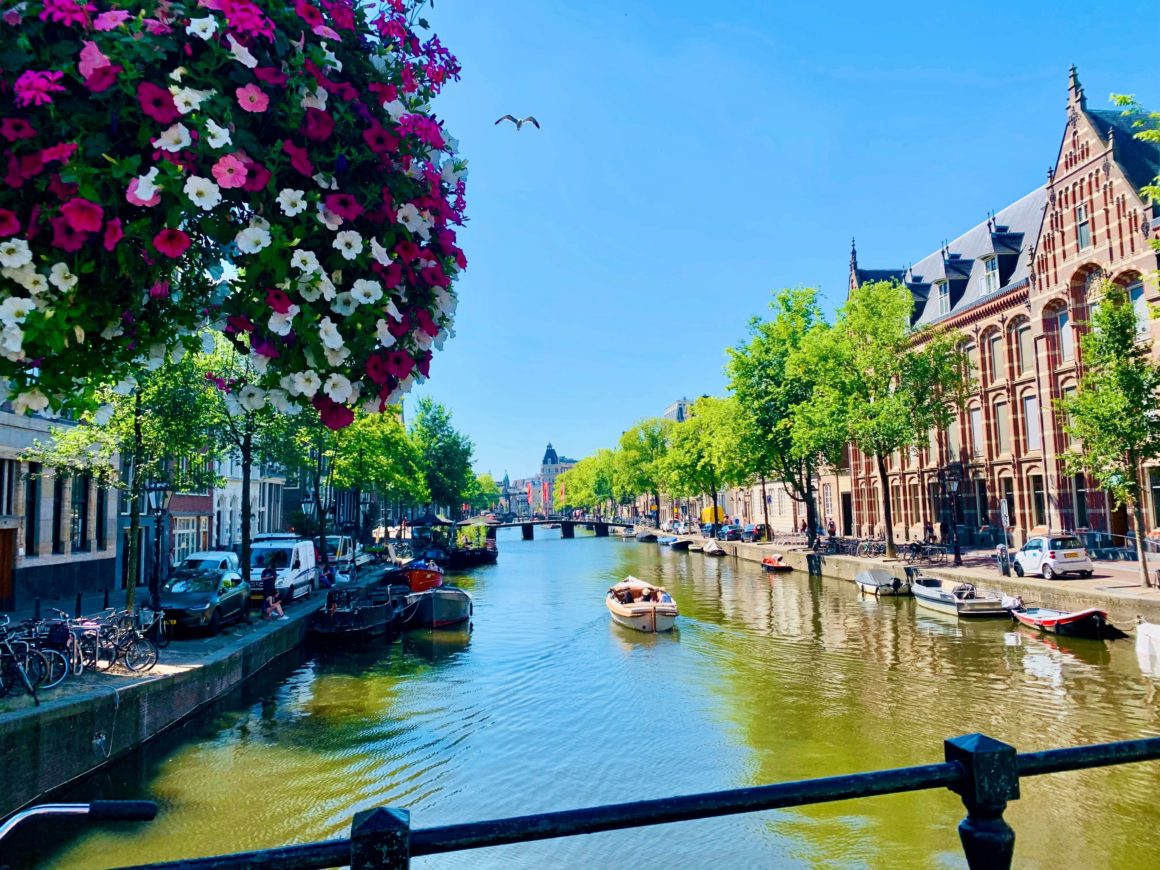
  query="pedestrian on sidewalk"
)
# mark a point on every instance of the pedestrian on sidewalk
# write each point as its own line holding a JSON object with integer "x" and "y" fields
{"x": 272, "y": 606}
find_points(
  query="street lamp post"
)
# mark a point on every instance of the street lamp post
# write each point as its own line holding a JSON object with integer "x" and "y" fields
{"x": 159, "y": 494}
{"x": 953, "y": 486}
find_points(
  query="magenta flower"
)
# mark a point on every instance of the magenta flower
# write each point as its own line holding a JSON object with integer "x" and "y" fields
{"x": 344, "y": 205}
{"x": 83, "y": 215}
{"x": 333, "y": 415}
{"x": 298, "y": 158}
{"x": 65, "y": 236}
{"x": 229, "y": 171}
{"x": 426, "y": 323}
{"x": 160, "y": 290}
{"x": 14, "y": 129}
{"x": 67, "y": 12}
{"x": 317, "y": 125}
{"x": 257, "y": 176}
{"x": 278, "y": 300}
{"x": 423, "y": 364}
{"x": 110, "y": 20}
{"x": 309, "y": 14}
{"x": 171, "y": 243}
{"x": 62, "y": 151}
{"x": 270, "y": 75}
{"x": 377, "y": 368}
{"x": 9, "y": 224}
{"x": 399, "y": 364}
{"x": 252, "y": 98}
{"x": 36, "y": 88}
{"x": 157, "y": 103}
{"x": 103, "y": 78}
{"x": 113, "y": 233}
{"x": 379, "y": 140}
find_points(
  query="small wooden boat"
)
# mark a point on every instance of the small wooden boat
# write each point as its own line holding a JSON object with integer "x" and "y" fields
{"x": 959, "y": 599}
{"x": 642, "y": 606}
{"x": 646, "y": 537}
{"x": 712, "y": 548}
{"x": 879, "y": 581}
{"x": 775, "y": 562}
{"x": 423, "y": 574}
{"x": 355, "y": 614}
{"x": 1080, "y": 623}
{"x": 440, "y": 607}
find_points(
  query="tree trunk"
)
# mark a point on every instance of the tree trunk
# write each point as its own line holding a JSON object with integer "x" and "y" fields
{"x": 765, "y": 509}
{"x": 657, "y": 516}
{"x": 316, "y": 474}
{"x": 811, "y": 507}
{"x": 887, "y": 516}
{"x": 247, "y": 456}
{"x": 1141, "y": 550}
{"x": 134, "y": 507}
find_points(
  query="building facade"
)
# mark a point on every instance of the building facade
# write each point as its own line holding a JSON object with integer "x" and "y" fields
{"x": 265, "y": 503}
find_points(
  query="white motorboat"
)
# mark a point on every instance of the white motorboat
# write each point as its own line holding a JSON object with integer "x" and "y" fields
{"x": 879, "y": 581}
{"x": 643, "y": 606}
{"x": 712, "y": 548}
{"x": 959, "y": 599}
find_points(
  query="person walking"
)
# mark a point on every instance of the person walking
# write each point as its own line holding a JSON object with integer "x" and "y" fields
{"x": 273, "y": 606}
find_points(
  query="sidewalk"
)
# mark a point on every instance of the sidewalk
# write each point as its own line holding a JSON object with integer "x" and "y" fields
{"x": 91, "y": 603}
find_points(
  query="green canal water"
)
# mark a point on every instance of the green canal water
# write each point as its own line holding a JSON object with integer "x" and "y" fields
{"x": 546, "y": 706}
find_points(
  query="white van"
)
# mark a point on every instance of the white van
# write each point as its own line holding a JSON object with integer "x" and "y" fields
{"x": 292, "y": 558}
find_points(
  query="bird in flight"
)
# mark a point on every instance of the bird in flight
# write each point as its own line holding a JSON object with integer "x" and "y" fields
{"x": 519, "y": 122}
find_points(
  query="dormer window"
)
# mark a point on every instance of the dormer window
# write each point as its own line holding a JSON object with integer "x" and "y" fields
{"x": 990, "y": 275}
{"x": 1083, "y": 230}
{"x": 944, "y": 297}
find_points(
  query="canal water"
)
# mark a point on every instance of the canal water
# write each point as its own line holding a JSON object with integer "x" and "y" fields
{"x": 546, "y": 705}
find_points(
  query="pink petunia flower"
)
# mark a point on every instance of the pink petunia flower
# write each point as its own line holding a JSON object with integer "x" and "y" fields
{"x": 67, "y": 12}
{"x": 278, "y": 300}
{"x": 103, "y": 78}
{"x": 36, "y": 88}
{"x": 62, "y": 151}
{"x": 110, "y": 20}
{"x": 83, "y": 215}
{"x": 65, "y": 236}
{"x": 171, "y": 243}
{"x": 14, "y": 129}
{"x": 229, "y": 171}
{"x": 91, "y": 59}
{"x": 317, "y": 125}
{"x": 298, "y": 158}
{"x": 310, "y": 15}
{"x": 9, "y": 224}
{"x": 344, "y": 205}
{"x": 134, "y": 199}
{"x": 252, "y": 98}
{"x": 113, "y": 233}
{"x": 157, "y": 103}
{"x": 333, "y": 415}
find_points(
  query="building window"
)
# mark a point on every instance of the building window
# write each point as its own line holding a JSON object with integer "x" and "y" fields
{"x": 1002, "y": 428}
{"x": 1023, "y": 343}
{"x": 1143, "y": 314}
{"x": 1031, "y": 431}
{"x": 976, "y": 415}
{"x": 1008, "y": 485}
{"x": 953, "y": 441}
{"x": 102, "y": 518}
{"x": 827, "y": 500}
{"x": 981, "y": 513}
{"x": 1154, "y": 484}
{"x": 32, "y": 510}
{"x": 1079, "y": 499}
{"x": 995, "y": 356}
{"x": 9, "y": 470}
{"x": 990, "y": 275}
{"x": 79, "y": 517}
{"x": 944, "y": 297}
{"x": 1038, "y": 500}
{"x": 1066, "y": 337}
{"x": 1083, "y": 231}
{"x": 184, "y": 537}
{"x": 1066, "y": 419}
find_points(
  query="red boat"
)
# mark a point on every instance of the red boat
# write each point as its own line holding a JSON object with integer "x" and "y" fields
{"x": 1081, "y": 623}
{"x": 423, "y": 574}
{"x": 776, "y": 562}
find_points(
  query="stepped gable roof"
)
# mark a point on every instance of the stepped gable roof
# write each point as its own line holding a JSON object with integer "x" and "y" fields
{"x": 1140, "y": 160}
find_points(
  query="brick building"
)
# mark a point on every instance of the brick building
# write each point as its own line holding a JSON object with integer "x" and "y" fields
{"x": 1019, "y": 289}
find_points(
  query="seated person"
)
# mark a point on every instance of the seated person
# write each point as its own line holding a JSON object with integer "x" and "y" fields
{"x": 647, "y": 595}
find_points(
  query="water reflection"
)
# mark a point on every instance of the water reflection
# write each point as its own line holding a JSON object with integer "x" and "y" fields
{"x": 547, "y": 704}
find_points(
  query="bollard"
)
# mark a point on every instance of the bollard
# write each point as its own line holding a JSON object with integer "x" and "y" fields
{"x": 991, "y": 779}
{"x": 380, "y": 839}
{"x": 36, "y": 609}
{"x": 80, "y": 605}
{"x": 104, "y": 606}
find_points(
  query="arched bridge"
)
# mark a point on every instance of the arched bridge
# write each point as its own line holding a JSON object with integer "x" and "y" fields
{"x": 567, "y": 527}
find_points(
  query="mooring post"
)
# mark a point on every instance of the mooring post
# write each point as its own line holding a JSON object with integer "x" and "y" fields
{"x": 380, "y": 839}
{"x": 80, "y": 605}
{"x": 526, "y": 531}
{"x": 991, "y": 779}
{"x": 105, "y": 606}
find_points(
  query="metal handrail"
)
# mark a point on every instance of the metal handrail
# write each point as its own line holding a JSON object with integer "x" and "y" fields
{"x": 983, "y": 771}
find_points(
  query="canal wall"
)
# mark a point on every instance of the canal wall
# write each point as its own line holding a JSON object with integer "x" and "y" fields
{"x": 45, "y": 748}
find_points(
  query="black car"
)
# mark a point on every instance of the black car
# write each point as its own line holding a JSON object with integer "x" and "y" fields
{"x": 754, "y": 532}
{"x": 729, "y": 533}
{"x": 204, "y": 598}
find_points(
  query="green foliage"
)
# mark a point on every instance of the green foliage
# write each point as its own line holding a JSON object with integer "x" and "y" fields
{"x": 1147, "y": 126}
{"x": 376, "y": 454}
{"x": 446, "y": 454}
{"x": 471, "y": 536}
{"x": 591, "y": 482}
{"x": 642, "y": 454}
{"x": 484, "y": 492}
{"x": 703, "y": 452}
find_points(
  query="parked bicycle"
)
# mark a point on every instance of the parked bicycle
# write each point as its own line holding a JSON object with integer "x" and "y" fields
{"x": 19, "y": 663}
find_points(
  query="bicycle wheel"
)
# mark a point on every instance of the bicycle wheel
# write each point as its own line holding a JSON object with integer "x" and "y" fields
{"x": 34, "y": 663}
{"x": 7, "y": 674}
{"x": 58, "y": 668}
{"x": 139, "y": 654}
{"x": 161, "y": 632}
{"x": 75, "y": 655}
{"x": 98, "y": 652}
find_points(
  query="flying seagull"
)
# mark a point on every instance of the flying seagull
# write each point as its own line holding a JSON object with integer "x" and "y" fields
{"x": 519, "y": 122}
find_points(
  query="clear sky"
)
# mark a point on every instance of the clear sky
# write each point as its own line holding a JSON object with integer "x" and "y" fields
{"x": 696, "y": 156}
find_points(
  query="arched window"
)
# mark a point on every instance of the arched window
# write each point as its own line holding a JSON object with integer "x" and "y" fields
{"x": 1024, "y": 351}
{"x": 1002, "y": 427}
{"x": 996, "y": 364}
{"x": 1032, "y": 432}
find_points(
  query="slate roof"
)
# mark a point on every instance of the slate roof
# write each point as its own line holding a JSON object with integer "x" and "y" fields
{"x": 868, "y": 275}
{"x": 1139, "y": 160}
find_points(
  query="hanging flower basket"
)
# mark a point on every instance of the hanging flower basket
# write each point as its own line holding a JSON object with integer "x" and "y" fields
{"x": 270, "y": 169}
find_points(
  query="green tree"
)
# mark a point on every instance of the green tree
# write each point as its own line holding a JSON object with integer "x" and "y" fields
{"x": 703, "y": 458}
{"x": 1115, "y": 413}
{"x": 446, "y": 454}
{"x": 484, "y": 492}
{"x": 307, "y": 450}
{"x": 157, "y": 427}
{"x": 591, "y": 483}
{"x": 882, "y": 385}
{"x": 642, "y": 453}
{"x": 768, "y": 376}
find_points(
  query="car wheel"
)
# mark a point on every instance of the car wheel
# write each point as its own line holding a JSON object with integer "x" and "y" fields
{"x": 1047, "y": 572}
{"x": 215, "y": 621}
{"x": 1085, "y": 573}
{"x": 1018, "y": 569}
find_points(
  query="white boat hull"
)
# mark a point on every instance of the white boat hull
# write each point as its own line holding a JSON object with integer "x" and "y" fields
{"x": 640, "y": 615}
{"x": 943, "y": 599}
{"x": 646, "y": 618}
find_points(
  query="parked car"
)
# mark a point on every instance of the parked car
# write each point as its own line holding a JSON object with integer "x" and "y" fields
{"x": 345, "y": 556}
{"x": 755, "y": 532}
{"x": 667, "y": 526}
{"x": 729, "y": 533}
{"x": 201, "y": 594}
{"x": 221, "y": 560}
{"x": 294, "y": 560}
{"x": 1051, "y": 556}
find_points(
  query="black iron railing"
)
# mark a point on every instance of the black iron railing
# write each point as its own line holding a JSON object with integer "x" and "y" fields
{"x": 983, "y": 771}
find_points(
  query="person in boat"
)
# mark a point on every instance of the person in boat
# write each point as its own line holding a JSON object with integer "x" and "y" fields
{"x": 664, "y": 597}
{"x": 647, "y": 595}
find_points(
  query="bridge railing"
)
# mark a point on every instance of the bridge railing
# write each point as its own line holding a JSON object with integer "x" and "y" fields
{"x": 983, "y": 771}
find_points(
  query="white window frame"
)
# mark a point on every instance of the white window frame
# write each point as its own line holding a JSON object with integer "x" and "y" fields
{"x": 1083, "y": 227}
{"x": 1066, "y": 336}
{"x": 185, "y": 537}
{"x": 944, "y": 297}
{"x": 1143, "y": 314}
{"x": 1032, "y": 432}
{"x": 990, "y": 274}
{"x": 975, "y": 415}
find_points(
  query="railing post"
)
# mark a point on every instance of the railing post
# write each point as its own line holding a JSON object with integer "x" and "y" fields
{"x": 380, "y": 839}
{"x": 991, "y": 778}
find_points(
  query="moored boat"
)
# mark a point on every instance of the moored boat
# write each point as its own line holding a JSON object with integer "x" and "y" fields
{"x": 879, "y": 581}
{"x": 353, "y": 614}
{"x": 636, "y": 604}
{"x": 680, "y": 544}
{"x": 666, "y": 540}
{"x": 423, "y": 574}
{"x": 1091, "y": 622}
{"x": 959, "y": 599}
{"x": 440, "y": 607}
{"x": 646, "y": 537}
{"x": 775, "y": 562}
{"x": 712, "y": 548}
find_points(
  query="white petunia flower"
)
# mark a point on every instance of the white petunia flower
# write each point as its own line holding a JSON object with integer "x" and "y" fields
{"x": 343, "y": 305}
{"x": 15, "y": 253}
{"x": 12, "y": 342}
{"x": 241, "y": 53}
{"x": 202, "y": 27}
{"x": 337, "y": 387}
{"x": 330, "y": 335}
{"x": 305, "y": 383}
{"x": 292, "y": 202}
{"x": 178, "y": 73}
{"x": 365, "y": 291}
{"x": 216, "y": 135}
{"x": 278, "y": 400}
{"x": 280, "y": 324}
{"x": 33, "y": 401}
{"x": 329, "y": 218}
{"x": 329, "y": 59}
{"x": 395, "y": 109}
{"x": 36, "y": 283}
{"x": 125, "y": 386}
{"x": 454, "y": 170}
{"x": 15, "y": 309}
{"x": 62, "y": 277}
{"x": 305, "y": 261}
{"x": 415, "y": 170}
{"x": 147, "y": 184}
{"x": 337, "y": 357}
{"x": 202, "y": 192}
{"x": 408, "y": 216}
{"x": 252, "y": 239}
{"x": 315, "y": 99}
{"x": 259, "y": 223}
{"x": 259, "y": 363}
{"x": 172, "y": 140}
{"x": 187, "y": 99}
{"x": 252, "y": 398}
{"x": 325, "y": 180}
{"x": 390, "y": 308}
{"x": 349, "y": 244}
{"x": 102, "y": 415}
{"x": 383, "y": 333}
{"x": 381, "y": 255}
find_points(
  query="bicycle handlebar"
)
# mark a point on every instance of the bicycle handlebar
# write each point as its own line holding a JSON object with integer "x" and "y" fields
{"x": 123, "y": 811}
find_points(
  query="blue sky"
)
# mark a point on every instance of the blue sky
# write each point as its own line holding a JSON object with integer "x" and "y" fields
{"x": 694, "y": 157}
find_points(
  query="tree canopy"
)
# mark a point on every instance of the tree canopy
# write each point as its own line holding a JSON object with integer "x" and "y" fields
{"x": 446, "y": 454}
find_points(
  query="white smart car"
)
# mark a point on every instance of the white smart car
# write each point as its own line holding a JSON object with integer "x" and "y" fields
{"x": 1051, "y": 556}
